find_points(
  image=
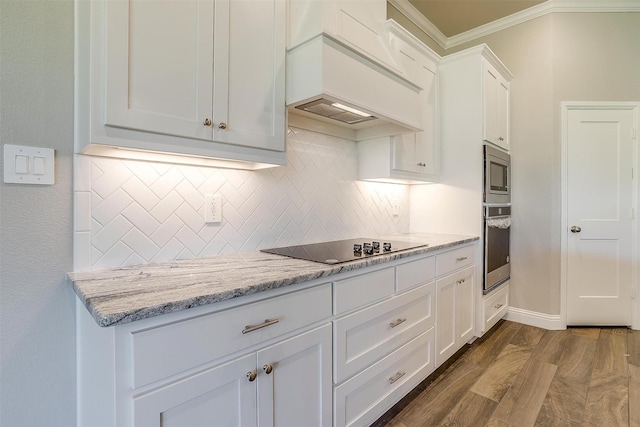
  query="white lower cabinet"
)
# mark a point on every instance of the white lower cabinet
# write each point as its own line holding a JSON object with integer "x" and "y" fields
{"x": 223, "y": 395}
{"x": 383, "y": 350}
{"x": 365, "y": 397}
{"x": 494, "y": 307}
{"x": 337, "y": 353}
{"x": 286, "y": 384}
{"x": 368, "y": 335}
{"x": 454, "y": 312}
{"x": 298, "y": 390}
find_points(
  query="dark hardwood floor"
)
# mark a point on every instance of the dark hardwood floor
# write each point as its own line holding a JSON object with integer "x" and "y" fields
{"x": 521, "y": 376}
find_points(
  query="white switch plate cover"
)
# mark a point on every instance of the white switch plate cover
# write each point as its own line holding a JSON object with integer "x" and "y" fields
{"x": 40, "y": 171}
{"x": 212, "y": 208}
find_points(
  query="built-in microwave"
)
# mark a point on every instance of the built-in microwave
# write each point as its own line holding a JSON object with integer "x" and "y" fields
{"x": 497, "y": 176}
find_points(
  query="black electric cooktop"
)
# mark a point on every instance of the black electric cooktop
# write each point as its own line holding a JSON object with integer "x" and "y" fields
{"x": 339, "y": 251}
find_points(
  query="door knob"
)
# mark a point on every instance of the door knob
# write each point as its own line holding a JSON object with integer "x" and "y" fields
{"x": 576, "y": 229}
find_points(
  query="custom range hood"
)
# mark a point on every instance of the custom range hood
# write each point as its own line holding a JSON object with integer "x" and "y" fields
{"x": 344, "y": 75}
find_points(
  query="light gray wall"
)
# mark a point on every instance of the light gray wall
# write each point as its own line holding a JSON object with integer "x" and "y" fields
{"x": 37, "y": 320}
{"x": 555, "y": 58}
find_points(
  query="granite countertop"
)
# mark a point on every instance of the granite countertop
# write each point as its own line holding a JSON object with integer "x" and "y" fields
{"x": 126, "y": 294}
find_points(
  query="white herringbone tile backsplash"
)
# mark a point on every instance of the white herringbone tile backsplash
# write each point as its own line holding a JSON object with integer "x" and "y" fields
{"x": 132, "y": 212}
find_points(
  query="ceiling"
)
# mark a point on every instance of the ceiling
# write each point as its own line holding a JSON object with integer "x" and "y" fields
{"x": 453, "y": 17}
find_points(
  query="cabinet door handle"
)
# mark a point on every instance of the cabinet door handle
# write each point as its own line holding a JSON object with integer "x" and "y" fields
{"x": 497, "y": 306}
{"x": 267, "y": 322}
{"x": 396, "y": 377}
{"x": 462, "y": 258}
{"x": 500, "y": 138}
{"x": 207, "y": 122}
{"x": 222, "y": 126}
{"x": 422, "y": 164}
{"x": 267, "y": 369}
{"x": 397, "y": 322}
{"x": 251, "y": 375}
{"x": 461, "y": 281}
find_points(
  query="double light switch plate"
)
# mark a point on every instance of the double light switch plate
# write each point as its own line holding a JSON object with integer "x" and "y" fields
{"x": 28, "y": 165}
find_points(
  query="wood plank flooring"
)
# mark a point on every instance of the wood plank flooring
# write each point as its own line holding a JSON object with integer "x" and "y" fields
{"x": 522, "y": 376}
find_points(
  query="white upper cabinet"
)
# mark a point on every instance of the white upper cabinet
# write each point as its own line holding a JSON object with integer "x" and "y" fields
{"x": 410, "y": 157}
{"x": 496, "y": 106}
{"x": 199, "y": 78}
{"x": 159, "y": 66}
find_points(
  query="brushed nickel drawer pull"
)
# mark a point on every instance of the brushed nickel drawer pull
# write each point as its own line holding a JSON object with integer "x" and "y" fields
{"x": 497, "y": 306}
{"x": 396, "y": 377}
{"x": 397, "y": 322}
{"x": 267, "y": 369}
{"x": 462, "y": 258}
{"x": 267, "y": 322}
{"x": 251, "y": 376}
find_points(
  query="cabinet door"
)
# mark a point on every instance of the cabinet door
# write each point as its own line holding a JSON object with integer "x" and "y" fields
{"x": 294, "y": 382}
{"x": 496, "y": 107}
{"x": 159, "y": 59}
{"x": 427, "y": 149}
{"x": 465, "y": 286}
{"x": 503, "y": 113}
{"x": 418, "y": 152}
{"x": 249, "y": 73}
{"x": 446, "y": 318}
{"x": 490, "y": 110}
{"x": 221, "y": 396}
{"x": 404, "y": 152}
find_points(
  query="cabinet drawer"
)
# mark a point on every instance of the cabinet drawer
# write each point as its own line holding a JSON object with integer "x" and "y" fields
{"x": 363, "y": 290}
{"x": 415, "y": 273}
{"x": 453, "y": 260}
{"x": 364, "y": 337}
{"x": 495, "y": 306}
{"x": 167, "y": 350}
{"x": 368, "y": 395}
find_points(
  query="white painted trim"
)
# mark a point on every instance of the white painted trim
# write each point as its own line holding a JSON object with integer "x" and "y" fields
{"x": 588, "y": 105}
{"x": 582, "y": 6}
{"x": 413, "y": 15}
{"x": 532, "y": 318}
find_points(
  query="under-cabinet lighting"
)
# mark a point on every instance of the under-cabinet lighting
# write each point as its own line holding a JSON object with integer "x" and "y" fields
{"x": 351, "y": 109}
{"x": 153, "y": 156}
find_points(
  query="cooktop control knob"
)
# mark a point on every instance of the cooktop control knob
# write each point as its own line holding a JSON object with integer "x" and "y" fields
{"x": 376, "y": 246}
{"x": 386, "y": 246}
{"x": 357, "y": 248}
{"x": 368, "y": 249}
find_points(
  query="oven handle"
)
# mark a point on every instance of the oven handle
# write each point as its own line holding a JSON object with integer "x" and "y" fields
{"x": 502, "y": 222}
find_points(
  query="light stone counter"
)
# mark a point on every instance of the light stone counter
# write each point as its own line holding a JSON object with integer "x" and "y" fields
{"x": 121, "y": 295}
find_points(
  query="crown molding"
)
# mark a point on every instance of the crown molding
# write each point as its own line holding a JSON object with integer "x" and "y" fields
{"x": 413, "y": 15}
{"x": 562, "y": 6}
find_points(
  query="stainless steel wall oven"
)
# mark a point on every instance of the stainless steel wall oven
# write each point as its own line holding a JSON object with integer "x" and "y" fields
{"x": 497, "y": 225}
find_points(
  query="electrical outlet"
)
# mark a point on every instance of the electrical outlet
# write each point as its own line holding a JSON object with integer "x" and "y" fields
{"x": 212, "y": 208}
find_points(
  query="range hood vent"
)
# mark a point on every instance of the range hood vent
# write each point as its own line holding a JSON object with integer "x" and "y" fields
{"x": 346, "y": 75}
{"x": 336, "y": 111}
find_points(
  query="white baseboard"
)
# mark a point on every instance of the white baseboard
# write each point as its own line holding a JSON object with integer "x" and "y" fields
{"x": 533, "y": 318}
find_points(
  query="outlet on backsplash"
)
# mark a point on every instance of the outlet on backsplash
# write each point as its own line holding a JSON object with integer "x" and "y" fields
{"x": 212, "y": 208}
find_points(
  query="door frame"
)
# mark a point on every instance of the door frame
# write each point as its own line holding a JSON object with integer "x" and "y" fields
{"x": 564, "y": 244}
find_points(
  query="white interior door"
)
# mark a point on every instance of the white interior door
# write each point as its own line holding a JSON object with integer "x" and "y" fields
{"x": 600, "y": 229}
